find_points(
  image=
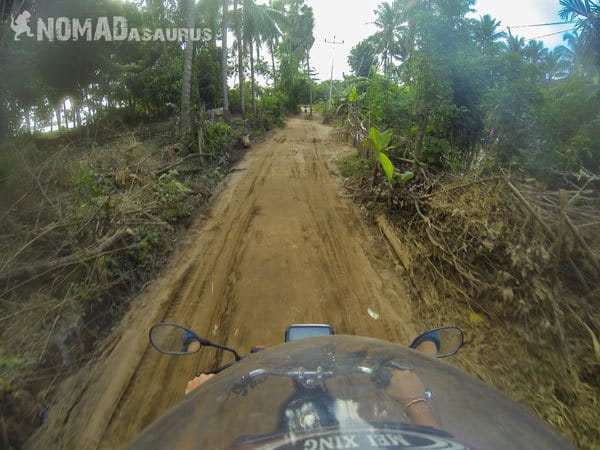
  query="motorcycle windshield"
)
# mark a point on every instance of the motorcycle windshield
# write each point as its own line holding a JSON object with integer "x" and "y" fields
{"x": 337, "y": 392}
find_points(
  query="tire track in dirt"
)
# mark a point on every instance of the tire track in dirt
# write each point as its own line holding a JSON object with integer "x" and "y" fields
{"x": 281, "y": 246}
{"x": 222, "y": 258}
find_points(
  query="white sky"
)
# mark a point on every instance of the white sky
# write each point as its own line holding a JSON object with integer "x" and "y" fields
{"x": 349, "y": 21}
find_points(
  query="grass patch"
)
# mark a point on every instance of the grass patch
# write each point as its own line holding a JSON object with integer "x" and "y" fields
{"x": 355, "y": 166}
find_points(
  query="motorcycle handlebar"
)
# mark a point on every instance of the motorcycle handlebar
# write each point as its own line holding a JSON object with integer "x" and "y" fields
{"x": 301, "y": 374}
{"x": 319, "y": 373}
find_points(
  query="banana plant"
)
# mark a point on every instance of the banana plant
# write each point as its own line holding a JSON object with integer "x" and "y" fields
{"x": 380, "y": 143}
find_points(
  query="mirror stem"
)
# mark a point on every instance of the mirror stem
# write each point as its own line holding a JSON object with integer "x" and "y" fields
{"x": 223, "y": 347}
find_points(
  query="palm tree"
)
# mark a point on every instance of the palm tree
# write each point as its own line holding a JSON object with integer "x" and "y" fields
{"x": 186, "y": 87}
{"x": 273, "y": 41}
{"x": 535, "y": 52}
{"x": 455, "y": 9}
{"x": 486, "y": 32}
{"x": 586, "y": 14}
{"x": 514, "y": 44}
{"x": 260, "y": 24}
{"x": 555, "y": 66}
{"x": 209, "y": 9}
{"x": 225, "y": 87}
{"x": 572, "y": 53}
{"x": 240, "y": 51}
{"x": 307, "y": 43}
{"x": 389, "y": 19}
{"x": 272, "y": 44}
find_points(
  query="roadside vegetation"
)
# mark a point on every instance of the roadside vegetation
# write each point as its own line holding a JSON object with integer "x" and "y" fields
{"x": 85, "y": 225}
{"x": 108, "y": 152}
{"x": 478, "y": 157}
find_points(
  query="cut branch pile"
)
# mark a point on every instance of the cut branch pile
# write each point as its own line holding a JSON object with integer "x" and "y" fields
{"x": 83, "y": 227}
{"x": 516, "y": 265}
{"x": 85, "y": 224}
{"x": 524, "y": 263}
{"x": 503, "y": 252}
{"x": 33, "y": 270}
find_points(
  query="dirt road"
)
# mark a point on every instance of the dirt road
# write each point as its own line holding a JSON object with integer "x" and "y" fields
{"x": 282, "y": 245}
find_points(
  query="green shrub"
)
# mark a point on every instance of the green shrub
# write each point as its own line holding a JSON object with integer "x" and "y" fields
{"x": 235, "y": 105}
{"x": 89, "y": 183}
{"x": 440, "y": 151}
{"x": 6, "y": 165}
{"x": 583, "y": 150}
{"x": 171, "y": 196}
{"x": 273, "y": 104}
{"x": 11, "y": 368}
{"x": 219, "y": 138}
{"x": 151, "y": 242}
{"x": 320, "y": 107}
{"x": 355, "y": 166}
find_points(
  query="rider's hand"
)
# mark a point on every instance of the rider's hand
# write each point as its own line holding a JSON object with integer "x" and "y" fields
{"x": 428, "y": 348}
{"x": 193, "y": 346}
{"x": 405, "y": 386}
{"x": 194, "y": 383}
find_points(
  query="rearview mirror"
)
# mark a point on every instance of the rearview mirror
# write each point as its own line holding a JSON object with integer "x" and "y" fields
{"x": 442, "y": 342}
{"x": 175, "y": 340}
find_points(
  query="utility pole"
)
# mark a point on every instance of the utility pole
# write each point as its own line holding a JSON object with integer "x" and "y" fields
{"x": 333, "y": 44}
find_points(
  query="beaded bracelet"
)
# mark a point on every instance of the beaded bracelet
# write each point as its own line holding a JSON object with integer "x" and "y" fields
{"x": 415, "y": 400}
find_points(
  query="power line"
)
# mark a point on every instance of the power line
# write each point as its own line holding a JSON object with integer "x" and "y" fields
{"x": 553, "y": 34}
{"x": 542, "y": 24}
{"x": 545, "y": 24}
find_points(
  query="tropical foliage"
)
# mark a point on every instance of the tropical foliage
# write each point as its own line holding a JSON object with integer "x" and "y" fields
{"x": 453, "y": 88}
{"x": 50, "y": 85}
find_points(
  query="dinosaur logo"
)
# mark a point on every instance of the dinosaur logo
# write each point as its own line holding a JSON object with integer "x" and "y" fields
{"x": 21, "y": 24}
{"x": 73, "y": 29}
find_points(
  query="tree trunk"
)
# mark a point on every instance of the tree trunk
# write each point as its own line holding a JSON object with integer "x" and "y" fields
{"x": 271, "y": 50}
{"x": 65, "y": 115}
{"x": 98, "y": 108}
{"x": 215, "y": 26}
{"x": 75, "y": 107}
{"x": 58, "y": 118}
{"x": 422, "y": 128}
{"x": 385, "y": 65}
{"x": 252, "y": 76}
{"x": 240, "y": 48}
{"x": 28, "y": 120}
{"x": 186, "y": 88}
{"x": 224, "y": 62}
